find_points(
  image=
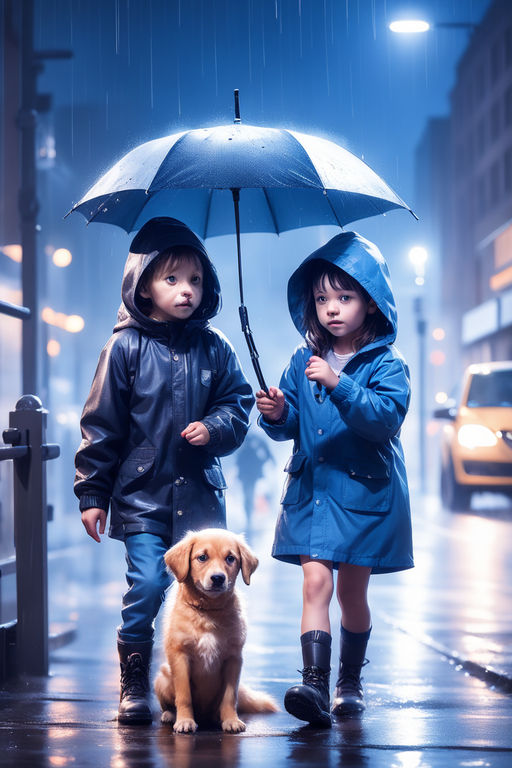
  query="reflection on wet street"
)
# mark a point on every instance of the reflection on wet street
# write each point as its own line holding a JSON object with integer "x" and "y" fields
{"x": 422, "y": 709}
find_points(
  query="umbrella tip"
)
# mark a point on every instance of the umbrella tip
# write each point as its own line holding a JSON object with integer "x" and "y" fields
{"x": 237, "y": 106}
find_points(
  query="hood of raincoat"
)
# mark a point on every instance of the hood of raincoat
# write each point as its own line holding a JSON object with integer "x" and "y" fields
{"x": 158, "y": 235}
{"x": 363, "y": 261}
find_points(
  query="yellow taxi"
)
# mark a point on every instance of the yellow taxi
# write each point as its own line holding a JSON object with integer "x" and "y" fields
{"x": 477, "y": 440}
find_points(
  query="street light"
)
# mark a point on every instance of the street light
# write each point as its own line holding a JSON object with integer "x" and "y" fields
{"x": 418, "y": 257}
{"x": 409, "y": 26}
{"x": 419, "y": 26}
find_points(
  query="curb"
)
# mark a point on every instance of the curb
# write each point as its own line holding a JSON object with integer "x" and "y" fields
{"x": 492, "y": 677}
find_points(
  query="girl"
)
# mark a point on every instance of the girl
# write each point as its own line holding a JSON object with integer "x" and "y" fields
{"x": 342, "y": 399}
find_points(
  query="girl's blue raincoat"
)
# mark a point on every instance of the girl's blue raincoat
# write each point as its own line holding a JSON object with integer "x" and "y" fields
{"x": 346, "y": 497}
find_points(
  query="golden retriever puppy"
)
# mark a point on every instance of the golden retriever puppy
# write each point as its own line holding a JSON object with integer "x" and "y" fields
{"x": 204, "y": 633}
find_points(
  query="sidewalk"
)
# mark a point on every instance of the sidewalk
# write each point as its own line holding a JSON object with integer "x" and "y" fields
{"x": 417, "y": 701}
{"x": 459, "y": 595}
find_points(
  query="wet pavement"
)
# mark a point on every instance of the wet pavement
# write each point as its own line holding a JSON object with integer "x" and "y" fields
{"x": 450, "y": 614}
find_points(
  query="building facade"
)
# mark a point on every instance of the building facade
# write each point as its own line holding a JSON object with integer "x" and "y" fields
{"x": 477, "y": 238}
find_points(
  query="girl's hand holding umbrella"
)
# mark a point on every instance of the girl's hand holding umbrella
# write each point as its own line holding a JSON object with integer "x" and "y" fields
{"x": 270, "y": 405}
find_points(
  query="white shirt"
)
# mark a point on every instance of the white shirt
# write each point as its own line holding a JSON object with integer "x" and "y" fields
{"x": 338, "y": 362}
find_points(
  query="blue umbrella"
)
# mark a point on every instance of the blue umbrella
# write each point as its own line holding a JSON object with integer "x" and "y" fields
{"x": 287, "y": 179}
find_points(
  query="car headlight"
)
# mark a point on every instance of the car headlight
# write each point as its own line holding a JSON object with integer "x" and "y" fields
{"x": 476, "y": 436}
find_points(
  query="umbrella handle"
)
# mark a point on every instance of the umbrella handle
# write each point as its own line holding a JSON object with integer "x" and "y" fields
{"x": 244, "y": 322}
{"x": 242, "y": 309}
{"x": 237, "y": 106}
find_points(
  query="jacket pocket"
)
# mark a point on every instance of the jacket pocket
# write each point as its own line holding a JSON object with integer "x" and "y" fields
{"x": 367, "y": 488}
{"x": 294, "y": 467}
{"x": 138, "y": 464}
{"x": 214, "y": 477}
{"x": 206, "y": 377}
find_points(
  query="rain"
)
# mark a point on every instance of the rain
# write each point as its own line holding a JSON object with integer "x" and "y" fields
{"x": 115, "y": 74}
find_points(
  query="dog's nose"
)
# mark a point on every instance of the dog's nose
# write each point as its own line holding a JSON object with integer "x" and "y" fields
{"x": 218, "y": 579}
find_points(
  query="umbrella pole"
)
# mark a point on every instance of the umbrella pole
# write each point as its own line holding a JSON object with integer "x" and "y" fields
{"x": 242, "y": 309}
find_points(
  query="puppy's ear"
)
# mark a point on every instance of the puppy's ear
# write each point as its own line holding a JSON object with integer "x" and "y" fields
{"x": 249, "y": 560}
{"x": 177, "y": 558}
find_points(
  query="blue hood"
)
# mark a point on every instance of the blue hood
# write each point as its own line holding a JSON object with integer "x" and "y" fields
{"x": 363, "y": 261}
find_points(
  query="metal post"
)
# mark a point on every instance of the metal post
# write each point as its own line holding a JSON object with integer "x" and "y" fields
{"x": 32, "y": 102}
{"x": 27, "y": 427}
{"x": 28, "y": 202}
{"x": 421, "y": 327}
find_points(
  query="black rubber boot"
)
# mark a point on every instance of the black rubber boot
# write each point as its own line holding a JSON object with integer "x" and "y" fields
{"x": 310, "y": 701}
{"x": 135, "y": 700}
{"x": 348, "y": 697}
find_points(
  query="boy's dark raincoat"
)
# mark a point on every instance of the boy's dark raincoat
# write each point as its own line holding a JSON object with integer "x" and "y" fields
{"x": 346, "y": 497}
{"x": 152, "y": 380}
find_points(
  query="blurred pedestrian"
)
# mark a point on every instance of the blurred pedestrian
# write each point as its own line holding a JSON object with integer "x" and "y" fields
{"x": 342, "y": 400}
{"x": 167, "y": 399}
{"x": 251, "y": 458}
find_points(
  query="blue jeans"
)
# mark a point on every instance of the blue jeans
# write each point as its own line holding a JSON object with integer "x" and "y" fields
{"x": 147, "y": 580}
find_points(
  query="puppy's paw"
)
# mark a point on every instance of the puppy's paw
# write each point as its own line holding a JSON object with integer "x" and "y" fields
{"x": 168, "y": 716}
{"x": 233, "y": 725}
{"x": 185, "y": 726}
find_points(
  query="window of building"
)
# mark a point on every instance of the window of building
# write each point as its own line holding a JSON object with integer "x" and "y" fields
{"x": 494, "y": 183}
{"x": 480, "y": 82}
{"x": 508, "y": 106}
{"x": 477, "y": 282}
{"x": 495, "y": 62}
{"x": 482, "y": 193}
{"x": 503, "y": 249}
{"x": 480, "y": 136}
{"x": 469, "y": 150}
{"x": 468, "y": 99}
{"x": 458, "y": 104}
{"x": 508, "y": 47}
{"x": 495, "y": 120}
{"x": 459, "y": 158}
{"x": 507, "y": 170}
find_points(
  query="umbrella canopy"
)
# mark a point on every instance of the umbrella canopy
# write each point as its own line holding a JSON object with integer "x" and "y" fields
{"x": 283, "y": 179}
{"x": 287, "y": 180}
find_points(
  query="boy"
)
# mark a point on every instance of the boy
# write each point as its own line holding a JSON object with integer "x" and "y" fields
{"x": 167, "y": 399}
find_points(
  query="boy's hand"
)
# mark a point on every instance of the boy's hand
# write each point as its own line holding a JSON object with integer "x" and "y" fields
{"x": 196, "y": 433}
{"x": 319, "y": 370}
{"x": 90, "y": 518}
{"x": 270, "y": 406}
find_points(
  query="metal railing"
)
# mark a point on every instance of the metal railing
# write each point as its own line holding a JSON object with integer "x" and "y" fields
{"x": 26, "y": 447}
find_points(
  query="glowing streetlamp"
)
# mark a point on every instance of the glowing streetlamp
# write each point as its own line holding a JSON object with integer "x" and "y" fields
{"x": 62, "y": 257}
{"x": 419, "y": 26}
{"x": 409, "y": 26}
{"x": 418, "y": 256}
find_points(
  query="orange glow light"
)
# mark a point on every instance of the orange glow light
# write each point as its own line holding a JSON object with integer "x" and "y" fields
{"x": 74, "y": 324}
{"x": 62, "y": 257}
{"x": 437, "y": 357}
{"x": 13, "y": 252}
{"x": 70, "y": 323}
{"x": 501, "y": 279}
{"x": 53, "y": 348}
